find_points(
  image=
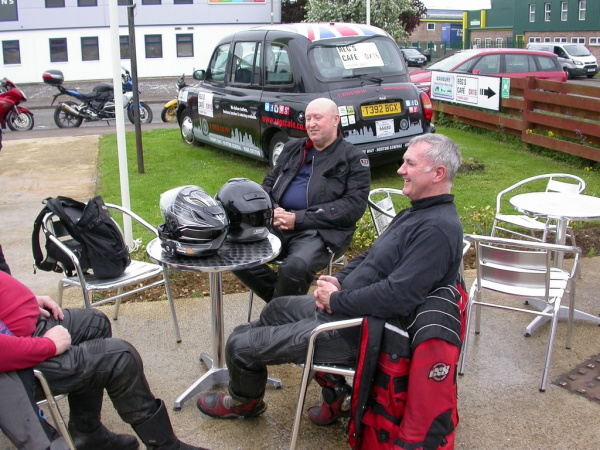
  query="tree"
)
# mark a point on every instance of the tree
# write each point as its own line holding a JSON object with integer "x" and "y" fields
{"x": 293, "y": 11}
{"x": 411, "y": 20}
{"x": 384, "y": 13}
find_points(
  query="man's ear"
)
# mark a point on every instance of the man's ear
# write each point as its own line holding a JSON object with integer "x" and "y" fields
{"x": 440, "y": 174}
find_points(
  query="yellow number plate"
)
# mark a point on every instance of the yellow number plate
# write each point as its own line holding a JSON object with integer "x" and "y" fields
{"x": 381, "y": 109}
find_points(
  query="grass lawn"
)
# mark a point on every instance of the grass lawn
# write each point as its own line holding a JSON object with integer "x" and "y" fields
{"x": 169, "y": 163}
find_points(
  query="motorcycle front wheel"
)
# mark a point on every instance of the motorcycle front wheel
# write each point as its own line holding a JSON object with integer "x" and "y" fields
{"x": 19, "y": 122}
{"x": 63, "y": 119}
{"x": 145, "y": 113}
{"x": 169, "y": 114}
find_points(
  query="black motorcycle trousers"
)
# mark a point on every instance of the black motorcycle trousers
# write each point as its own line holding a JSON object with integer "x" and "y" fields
{"x": 94, "y": 362}
{"x": 303, "y": 254}
{"x": 281, "y": 336}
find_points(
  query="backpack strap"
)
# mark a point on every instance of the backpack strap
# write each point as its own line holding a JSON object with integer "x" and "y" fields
{"x": 57, "y": 206}
{"x": 38, "y": 257}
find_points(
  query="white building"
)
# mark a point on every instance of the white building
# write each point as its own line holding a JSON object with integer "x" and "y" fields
{"x": 172, "y": 36}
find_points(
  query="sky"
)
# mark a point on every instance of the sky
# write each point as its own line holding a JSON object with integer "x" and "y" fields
{"x": 453, "y": 4}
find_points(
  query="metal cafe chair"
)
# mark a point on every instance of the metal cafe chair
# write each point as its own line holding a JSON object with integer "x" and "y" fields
{"x": 310, "y": 368}
{"x": 382, "y": 207}
{"x": 51, "y": 400}
{"x": 520, "y": 269}
{"x": 139, "y": 273}
{"x": 557, "y": 182}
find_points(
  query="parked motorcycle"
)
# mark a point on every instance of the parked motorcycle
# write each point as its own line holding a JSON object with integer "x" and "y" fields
{"x": 169, "y": 112}
{"x": 16, "y": 117}
{"x": 96, "y": 105}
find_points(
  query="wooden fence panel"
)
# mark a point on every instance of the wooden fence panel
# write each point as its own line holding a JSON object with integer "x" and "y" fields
{"x": 560, "y": 116}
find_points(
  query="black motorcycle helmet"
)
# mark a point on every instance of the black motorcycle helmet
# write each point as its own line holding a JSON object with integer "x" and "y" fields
{"x": 195, "y": 224}
{"x": 249, "y": 209}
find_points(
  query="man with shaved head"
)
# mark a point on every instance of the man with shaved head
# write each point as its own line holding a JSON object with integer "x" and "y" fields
{"x": 319, "y": 187}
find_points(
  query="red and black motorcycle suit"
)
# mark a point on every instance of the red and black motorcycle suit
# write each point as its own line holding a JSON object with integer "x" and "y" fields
{"x": 404, "y": 393}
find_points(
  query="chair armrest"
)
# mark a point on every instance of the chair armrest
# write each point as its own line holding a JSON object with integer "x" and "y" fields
{"x": 133, "y": 216}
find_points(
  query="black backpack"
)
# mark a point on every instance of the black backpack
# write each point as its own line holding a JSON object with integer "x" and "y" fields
{"x": 90, "y": 233}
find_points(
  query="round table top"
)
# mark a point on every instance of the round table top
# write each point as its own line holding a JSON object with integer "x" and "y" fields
{"x": 231, "y": 256}
{"x": 556, "y": 205}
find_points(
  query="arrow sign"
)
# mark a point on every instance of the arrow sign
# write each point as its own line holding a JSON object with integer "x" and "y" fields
{"x": 487, "y": 92}
{"x": 475, "y": 90}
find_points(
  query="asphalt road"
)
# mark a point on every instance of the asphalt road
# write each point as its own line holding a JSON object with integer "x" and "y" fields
{"x": 44, "y": 126}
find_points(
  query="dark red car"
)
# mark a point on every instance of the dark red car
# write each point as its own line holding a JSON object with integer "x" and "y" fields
{"x": 501, "y": 62}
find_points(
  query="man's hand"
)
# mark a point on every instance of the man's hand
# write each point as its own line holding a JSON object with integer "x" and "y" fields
{"x": 49, "y": 306}
{"x": 61, "y": 338}
{"x": 284, "y": 220}
{"x": 332, "y": 280}
{"x": 323, "y": 293}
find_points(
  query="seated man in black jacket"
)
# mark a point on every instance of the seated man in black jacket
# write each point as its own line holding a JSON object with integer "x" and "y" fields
{"x": 320, "y": 187}
{"x": 419, "y": 252}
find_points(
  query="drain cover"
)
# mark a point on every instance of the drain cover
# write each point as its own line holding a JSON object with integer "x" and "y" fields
{"x": 583, "y": 379}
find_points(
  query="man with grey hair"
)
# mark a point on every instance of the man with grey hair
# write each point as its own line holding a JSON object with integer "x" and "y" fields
{"x": 419, "y": 253}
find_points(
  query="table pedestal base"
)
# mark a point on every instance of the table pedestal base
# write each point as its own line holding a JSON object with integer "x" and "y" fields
{"x": 216, "y": 376}
{"x": 563, "y": 313}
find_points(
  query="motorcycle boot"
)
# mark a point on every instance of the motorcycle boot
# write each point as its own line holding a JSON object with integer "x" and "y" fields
{"x": 157, "y": 432}
{"x": 336, "y": 399}
{"x": 86, "y": 429}
{"x": 224, "y": 406}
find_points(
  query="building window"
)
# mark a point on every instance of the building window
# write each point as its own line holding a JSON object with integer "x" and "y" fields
{"x": 477, "y": 43}
{"x": 547, "y": 7}
{"x": 499, "y": 42}
{"x": 185, "y": 45}
{"x": 124, "y": 47}
{"x": 532, "y": 12}
{"x": 153, "y": 45}
{"x": 564, "y": 11}
{"x": 58, "y": 50}
{"x": 89, "y": 49}
{"x": 577, "y": 40}
{"x": 594, "y": 41}
{"x": 11, "y": 52}
{"x": 183, "y": 2}
{"x": 582, "y": 7}
{"x": 87, "y": 2}
{"x": 560, "y": 39}
{"x": 488, "y": 42}
{"x": 430, "y": 26}
{"x": 151, "y": 2}
{"x": 55, "y": 3}
{"x": 535, "y": 39}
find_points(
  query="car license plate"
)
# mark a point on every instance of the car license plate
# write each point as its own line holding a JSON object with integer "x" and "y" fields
{"x": 591, "y": 70}
{"x": 381, "y": 109}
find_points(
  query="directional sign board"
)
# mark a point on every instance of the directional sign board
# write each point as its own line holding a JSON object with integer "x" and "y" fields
{"x": 474, "y": 90}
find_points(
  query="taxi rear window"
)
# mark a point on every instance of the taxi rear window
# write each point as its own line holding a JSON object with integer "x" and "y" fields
{"x": 345, "y": 58}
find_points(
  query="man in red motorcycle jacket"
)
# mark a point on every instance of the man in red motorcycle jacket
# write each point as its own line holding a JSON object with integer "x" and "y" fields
{"x": 418, "y": 254}
{"x": 75, "y": 351}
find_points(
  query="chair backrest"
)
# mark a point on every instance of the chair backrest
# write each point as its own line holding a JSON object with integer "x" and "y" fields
{"x": 382, "y": 208}
{"x": 529, "y": 269}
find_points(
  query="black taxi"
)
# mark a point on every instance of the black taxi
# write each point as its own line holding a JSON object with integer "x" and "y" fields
{"x": 252, "y": 97}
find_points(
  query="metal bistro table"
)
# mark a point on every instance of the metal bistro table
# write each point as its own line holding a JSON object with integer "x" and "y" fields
{"x": 231, "y": 256}
{"x": 562, "y": 208}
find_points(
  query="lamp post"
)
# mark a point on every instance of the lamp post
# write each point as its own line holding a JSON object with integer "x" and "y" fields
{"x": 368, "y": 12}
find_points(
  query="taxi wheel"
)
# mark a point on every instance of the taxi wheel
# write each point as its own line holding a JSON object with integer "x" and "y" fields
{"x": 276, "y": 146}
{"x": 187, "y": 129}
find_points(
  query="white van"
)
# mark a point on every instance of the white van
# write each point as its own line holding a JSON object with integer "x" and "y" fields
{"x": 576, "y": 60}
